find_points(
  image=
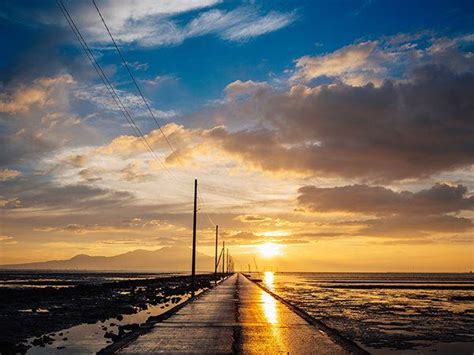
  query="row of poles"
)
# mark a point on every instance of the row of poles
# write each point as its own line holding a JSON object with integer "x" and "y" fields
{"x": 137, "y": 130}
{"x": 227, "y": 262}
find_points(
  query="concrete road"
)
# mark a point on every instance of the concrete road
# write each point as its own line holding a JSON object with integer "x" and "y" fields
{"x": 237, "y": 316}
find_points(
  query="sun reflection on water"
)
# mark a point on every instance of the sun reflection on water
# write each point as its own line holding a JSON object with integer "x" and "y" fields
{"x": 268, "y": 280}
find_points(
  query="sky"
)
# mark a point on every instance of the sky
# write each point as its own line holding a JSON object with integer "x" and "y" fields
{"x": 325, "y": 135}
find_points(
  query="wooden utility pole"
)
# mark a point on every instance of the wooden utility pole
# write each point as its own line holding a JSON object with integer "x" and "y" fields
{"x": 215, "y": 257}
{"x": 193, "y": 272}
{"x": 223, "y": 257}
{"x": 227, "y": 265}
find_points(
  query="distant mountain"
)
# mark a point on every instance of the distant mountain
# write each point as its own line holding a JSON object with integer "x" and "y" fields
{"x": 167, "y": 259}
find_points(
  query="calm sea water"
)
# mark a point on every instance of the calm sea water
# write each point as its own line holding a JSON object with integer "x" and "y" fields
{"x": 388, "y": 313}
{"x": 384, "y": 313}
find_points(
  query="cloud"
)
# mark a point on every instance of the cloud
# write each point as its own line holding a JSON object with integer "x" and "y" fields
{"x": 247, "y": 218}
{"x": 5, "y": 239}
{"x": 9, "y": 202}
{"x": 349, "y": 62}
{"x": 413, "y": 128}
{"x": 9, "y": 174}
{"x": 100, "y": 97}
{"x": 240, "y": 88}
{"x": 138, "y": 65}
{"x": 22, "y": 98}
{"x": 36, "y": 118}
{"x": 249, "y": 25}
{"x": 417, "y": 226}
{"x": 148, "y": 24}
{"x": 74, "y": 197}
{"x": 158, "y": 80}
{"x": 133, "y": 172}
{"x": 77, "y": 160}
{"x": 377, "y": 134}
{"x": 398, "y": 213}
{"x": 386, "y": 58}
{"x": 85, "y": 228}
{"x": 377, "y": 200}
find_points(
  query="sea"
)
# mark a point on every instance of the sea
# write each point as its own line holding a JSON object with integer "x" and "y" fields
{"x": 385, "y": 313}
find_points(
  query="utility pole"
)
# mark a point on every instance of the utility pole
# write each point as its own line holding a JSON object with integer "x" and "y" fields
{"x": 193, "y": 272}
{"x": 223, "y": 257}
{"x": 227, "y": 265}
{"x": 215, "y": 257}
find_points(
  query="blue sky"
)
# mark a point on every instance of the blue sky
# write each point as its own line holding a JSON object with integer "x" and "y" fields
{"x": 204, "y": 65}
{"x": 319, "y": 126}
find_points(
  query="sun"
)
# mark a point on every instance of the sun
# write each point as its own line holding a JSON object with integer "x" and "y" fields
{"x": 269, "y": 249}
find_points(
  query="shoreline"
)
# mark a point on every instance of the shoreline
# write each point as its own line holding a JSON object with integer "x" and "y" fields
{"x": 40, "y": 316}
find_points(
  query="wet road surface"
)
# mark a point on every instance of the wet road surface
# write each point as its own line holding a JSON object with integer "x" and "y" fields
{"x": 237, "y": 316}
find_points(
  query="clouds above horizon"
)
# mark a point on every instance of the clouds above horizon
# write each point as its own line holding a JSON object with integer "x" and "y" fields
{"x": 312, "y": 147}
{"x": 400, "y": 214}
{"x": 373, "y": 133}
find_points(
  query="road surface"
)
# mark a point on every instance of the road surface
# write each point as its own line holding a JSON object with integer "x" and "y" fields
{"x": 237, "y": 316}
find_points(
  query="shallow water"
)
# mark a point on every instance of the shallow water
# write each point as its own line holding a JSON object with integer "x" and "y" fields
{"x": 89, "y": 338}
{"x": 388, "y": 313}
{"x": 105, "y": 308}
{"x": 57, "y": 279}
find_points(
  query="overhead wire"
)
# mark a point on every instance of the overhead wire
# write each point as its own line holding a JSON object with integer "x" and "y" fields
{"x": 135, "y": 82}
{"x": 110, "y": 88}
{"x": 116, "y": 98}
{"x": 201, "y": 199}
{"x": 145, "y": 101}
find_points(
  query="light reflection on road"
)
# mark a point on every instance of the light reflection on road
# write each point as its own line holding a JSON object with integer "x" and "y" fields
{"x": 271, "y": 311}
{"x": 268, "y": 302}
{"x": 269, "y": 308}
{"x": 268, "y": 280}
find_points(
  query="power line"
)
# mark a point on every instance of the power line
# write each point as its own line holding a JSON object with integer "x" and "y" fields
{"x": 135, "y": 82}
{"x": 116, "y": 98}
{"x": 201, "y": 199}
{"x": 131, "y": 75}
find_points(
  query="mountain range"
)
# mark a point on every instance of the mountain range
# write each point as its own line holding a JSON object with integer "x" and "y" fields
{"x": 166, "y": 259}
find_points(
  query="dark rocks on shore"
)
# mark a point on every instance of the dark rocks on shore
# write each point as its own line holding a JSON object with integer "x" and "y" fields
{"x": 84, "y": 303}
{"x": 42, "y": 341}
{"x": 7, "y": 348}
{"x": 110, "y": 335}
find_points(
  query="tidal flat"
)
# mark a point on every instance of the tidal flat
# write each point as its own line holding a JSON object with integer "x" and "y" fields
{"x": 59, "y": 314}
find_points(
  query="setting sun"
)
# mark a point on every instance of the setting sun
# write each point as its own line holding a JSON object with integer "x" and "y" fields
{"x": 269, "y": 249}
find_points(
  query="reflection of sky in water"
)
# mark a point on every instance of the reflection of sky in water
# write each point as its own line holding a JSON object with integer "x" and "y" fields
{"x": 89, "y": 338}
{"x": 384, "y": 318}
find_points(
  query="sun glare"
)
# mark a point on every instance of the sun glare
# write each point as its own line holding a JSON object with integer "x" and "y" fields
{"x": 269, "y": 249}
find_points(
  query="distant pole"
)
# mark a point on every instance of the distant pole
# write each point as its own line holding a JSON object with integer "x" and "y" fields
{"x": 227, "y": 266}
{"x": 215, "y": 257}
{"x": 223, "y": 257}
{"x": 193, "y": 272}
